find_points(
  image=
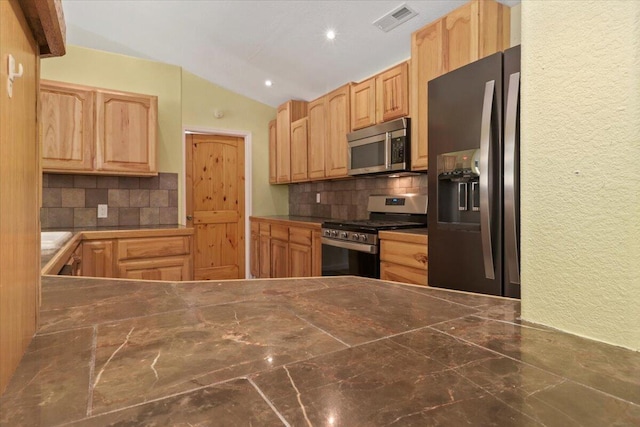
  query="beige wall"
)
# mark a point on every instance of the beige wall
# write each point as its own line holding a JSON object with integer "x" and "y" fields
{"x": 184, "y": 100}
{"x": 200, "y": 99}
{"x": 580, "y": 185}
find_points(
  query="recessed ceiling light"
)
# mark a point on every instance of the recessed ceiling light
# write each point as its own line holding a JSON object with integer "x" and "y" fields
{"x": 331, "y": 34}
{"x": 268, "y": 83}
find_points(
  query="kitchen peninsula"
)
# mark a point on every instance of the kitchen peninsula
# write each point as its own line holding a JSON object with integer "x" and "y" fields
{"x": 308, "y": 351}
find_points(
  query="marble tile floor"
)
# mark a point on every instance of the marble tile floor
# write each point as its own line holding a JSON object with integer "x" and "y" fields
{"x": 341, "y": 351}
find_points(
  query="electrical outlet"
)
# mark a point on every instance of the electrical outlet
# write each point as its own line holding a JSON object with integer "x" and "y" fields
{"x": 102, "y": 211}
{"x": 317, "y": 197}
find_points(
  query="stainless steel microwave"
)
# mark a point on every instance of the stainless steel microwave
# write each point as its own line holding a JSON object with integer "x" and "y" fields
{"x": 380, "y": 149}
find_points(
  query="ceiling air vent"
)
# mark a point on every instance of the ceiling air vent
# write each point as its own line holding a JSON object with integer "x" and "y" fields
{"x": 397, "y": 16}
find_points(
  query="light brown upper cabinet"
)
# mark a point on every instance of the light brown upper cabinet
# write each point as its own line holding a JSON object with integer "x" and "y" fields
{"x": 475, "y": 30}
{"x": 380, "y": 98}
{"x": 272, "y": 152}
{"x": 288, "y": 113}
{"x": 67, "y": 127}
{"x": 317, "y": 131}
{"x": 126, "y": 126}
{"x": 299, "y": 149}
{"x": 97, "y": 131}
{"x": 338, "y": 125}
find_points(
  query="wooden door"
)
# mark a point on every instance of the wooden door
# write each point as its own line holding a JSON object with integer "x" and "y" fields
{"x": 363, "y": 104}
{"x": 97, "y": 258}
{"x": 317, "y": 129}
{"x": 126, "y": 133}
{"x": 273, "y": 172}
{"x": 215, "y": 204}
{"x": 338, "y": 125}
{"x": 67, "y": 127}
{"x": 19, "y": 187}
{"x": 392, "y": 92}
{"x": 299, "y": 149}
{"x": 426, "y": 64}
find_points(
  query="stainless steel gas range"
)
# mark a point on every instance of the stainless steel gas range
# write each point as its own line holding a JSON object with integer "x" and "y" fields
{"x": 352, "y": 247}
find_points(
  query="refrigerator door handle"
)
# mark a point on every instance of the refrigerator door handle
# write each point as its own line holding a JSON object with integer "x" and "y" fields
{"x": 485, "y": 197}
{"x": 511, "y": 238}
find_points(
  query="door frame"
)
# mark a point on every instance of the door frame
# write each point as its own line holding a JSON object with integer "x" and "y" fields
{"x": 248, "y": 208}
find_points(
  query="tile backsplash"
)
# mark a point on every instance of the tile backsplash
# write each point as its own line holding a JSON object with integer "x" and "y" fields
{"x": 72, "y": 200}
{"x": 347, "y": 199}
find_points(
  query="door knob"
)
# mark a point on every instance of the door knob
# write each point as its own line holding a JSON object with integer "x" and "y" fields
{"x": 189, "y": 218}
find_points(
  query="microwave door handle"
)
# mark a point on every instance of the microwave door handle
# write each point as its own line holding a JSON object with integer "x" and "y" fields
{"x": 485, "y": 197}
{"x": 387, "y": 150}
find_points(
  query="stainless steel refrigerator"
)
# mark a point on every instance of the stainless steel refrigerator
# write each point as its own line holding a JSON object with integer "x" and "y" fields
{"x": 474, "y": 186}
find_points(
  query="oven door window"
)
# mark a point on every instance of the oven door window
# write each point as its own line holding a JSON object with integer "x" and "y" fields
{"x": 369, "y": 155}
{"x": 341, "y": 262}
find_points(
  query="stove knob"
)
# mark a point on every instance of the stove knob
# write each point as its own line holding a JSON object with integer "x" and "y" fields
{"x": 363, "y": 237}
{"x": 334, "y": 233}
{"x": 344, "y": 235}
{"x": 327, "y": 233}
{"x": 355, "y": 236}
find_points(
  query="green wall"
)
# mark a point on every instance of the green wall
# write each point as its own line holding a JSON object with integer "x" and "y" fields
{"x": 184, "y": 101}
{"x": 580, "y": 189}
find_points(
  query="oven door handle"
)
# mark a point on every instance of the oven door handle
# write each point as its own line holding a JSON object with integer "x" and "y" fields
{"x": 360, "y": 247}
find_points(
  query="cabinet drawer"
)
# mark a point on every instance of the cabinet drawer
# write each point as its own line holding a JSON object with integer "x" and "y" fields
{"x": 265, "y": 229}
{"x": 408, "y": 254}
{"x": 154, "y": 247}
{"x": 300, "y": 235}
{"x": 280, "y": 232}
{"x": 403, "y": 274}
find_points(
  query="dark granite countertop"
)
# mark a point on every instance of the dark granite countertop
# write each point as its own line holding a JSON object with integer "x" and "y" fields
{"x": 344, "y": 351}
{"x": 311, "y": 220}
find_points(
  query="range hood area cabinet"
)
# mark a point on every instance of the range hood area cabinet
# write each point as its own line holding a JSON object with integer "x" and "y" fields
{"x": 475, "y": 30}
{"x": 380, "y": 98}
{"x": 97, "y": 131}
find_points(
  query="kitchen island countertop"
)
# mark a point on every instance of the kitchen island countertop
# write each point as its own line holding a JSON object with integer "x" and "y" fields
{"x": 331, "y": 351}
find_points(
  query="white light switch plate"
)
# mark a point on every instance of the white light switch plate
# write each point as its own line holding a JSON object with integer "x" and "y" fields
{"x": 102, "y": 211}
{"x": 317, "y": 197}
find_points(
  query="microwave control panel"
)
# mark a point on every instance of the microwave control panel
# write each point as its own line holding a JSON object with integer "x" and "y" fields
{"x": 398, "y": 149}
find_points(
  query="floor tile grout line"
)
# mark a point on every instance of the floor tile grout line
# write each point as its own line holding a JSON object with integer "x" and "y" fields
{"x": 92, "y": 367}
{"x": 271, "y": 405}
{"x": 544, "y": 369}
{"x": 321, "y": 330}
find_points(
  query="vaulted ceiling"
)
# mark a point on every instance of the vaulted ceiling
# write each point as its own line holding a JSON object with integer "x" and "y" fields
{"x": 239, "y": 44}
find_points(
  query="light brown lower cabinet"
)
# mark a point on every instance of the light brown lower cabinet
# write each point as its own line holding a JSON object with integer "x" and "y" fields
{"x": 155, "y": 258}
{"x": 97, "y": 258}
{"x": 128, "y": 255}
{"x": 403, "y": 257}
{"x": 285, "y": 249}
{"x": 254, "y": 248}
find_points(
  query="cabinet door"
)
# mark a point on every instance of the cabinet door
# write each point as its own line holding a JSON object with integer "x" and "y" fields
{"x": 126, "y": 133}
{"x": 300, "y": 260}
{"x": 392, "y": 91}
{"x": 173, "y": 269}
{"x": 299, "y": 150}
{"x": 402, "y": 273}
{"x": 254, "y": 248}
{"x": 363, "y": 104}
{"x": 316, "y": 247}
{"x": 265, "y": 250}
{"x": 283, "y": 144}
{"x": 317, "y": 130}
{"x": 272, "y": 153}
{"x": 67, "y": 127}
{"x": 426, "y": 64}
{"x": 97, "y": 258}
{"x": 338, "y": 125}
{"x": 279, "y": 258}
